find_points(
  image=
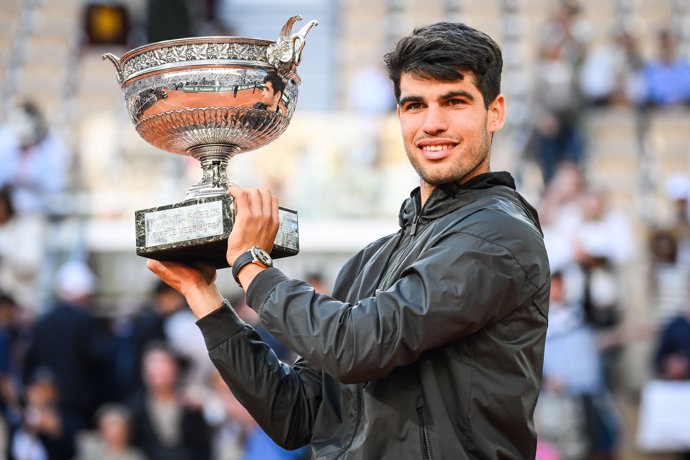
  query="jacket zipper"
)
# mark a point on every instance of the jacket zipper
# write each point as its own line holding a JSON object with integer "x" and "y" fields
{"x": 357, "y": 422}
{"x": 401, "y": 254}
{"x": 424, "y": 433}
{"x": 360, "y": 387}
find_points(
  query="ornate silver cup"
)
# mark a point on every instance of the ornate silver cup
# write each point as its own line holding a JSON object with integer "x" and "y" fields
{"x": 211, "y": 98}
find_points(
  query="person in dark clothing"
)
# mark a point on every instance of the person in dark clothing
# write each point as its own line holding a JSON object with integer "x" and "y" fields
{"x": 672, "y": 357}
{"x": 146, "y": 327}
{"x": 431, "y": 344}
{"x": 70, "y": 342}
{"x": 167, "y": 425}
{"x": 43, "y": 431}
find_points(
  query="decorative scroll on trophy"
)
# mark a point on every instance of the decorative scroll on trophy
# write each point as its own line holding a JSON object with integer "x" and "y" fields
{"x": 210, "y": 98}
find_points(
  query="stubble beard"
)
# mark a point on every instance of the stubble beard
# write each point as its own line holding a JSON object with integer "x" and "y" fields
{"x": 468, "y": 162}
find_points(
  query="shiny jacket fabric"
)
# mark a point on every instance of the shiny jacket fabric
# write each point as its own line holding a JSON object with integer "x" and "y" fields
{"x": 431, "y": 346}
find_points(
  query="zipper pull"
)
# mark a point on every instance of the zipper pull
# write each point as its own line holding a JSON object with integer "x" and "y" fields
{"x": 415, "y": 221}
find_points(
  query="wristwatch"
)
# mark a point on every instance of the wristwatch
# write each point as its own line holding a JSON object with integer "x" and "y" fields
{"x": 255, "y": 255}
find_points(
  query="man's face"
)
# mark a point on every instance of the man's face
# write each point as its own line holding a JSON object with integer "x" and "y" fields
{"x": 446, "y": 129}
{"x": 268, "y": 95}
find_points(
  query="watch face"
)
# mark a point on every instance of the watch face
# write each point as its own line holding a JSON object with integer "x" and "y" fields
{"x": 262, "y": 256}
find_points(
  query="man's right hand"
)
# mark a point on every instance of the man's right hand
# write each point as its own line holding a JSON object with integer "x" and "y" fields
{"x": 195, "y": 282}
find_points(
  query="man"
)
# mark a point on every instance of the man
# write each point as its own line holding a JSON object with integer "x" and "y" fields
{"x": 431, "y": 345}
{"x": 271, "y": 92}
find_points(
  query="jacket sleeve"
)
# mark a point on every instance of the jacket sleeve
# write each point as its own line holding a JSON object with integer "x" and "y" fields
{"x": 452, "y": 289}
{"x": 283, "y": 399}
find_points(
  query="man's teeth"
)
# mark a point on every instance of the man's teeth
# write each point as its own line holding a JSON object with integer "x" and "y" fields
{"x": 435, "y": 148}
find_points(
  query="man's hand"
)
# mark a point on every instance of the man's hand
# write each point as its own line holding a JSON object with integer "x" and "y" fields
{"x": 194, "y": 282}
{"x": 256, "y": 221}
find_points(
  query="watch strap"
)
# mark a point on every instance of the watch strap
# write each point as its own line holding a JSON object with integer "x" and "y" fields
{"x": 243, "y": 259}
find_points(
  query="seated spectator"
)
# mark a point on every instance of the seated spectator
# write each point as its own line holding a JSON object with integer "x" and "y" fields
{"x": 608, "y": 74}
{"x": 666, "y": 80}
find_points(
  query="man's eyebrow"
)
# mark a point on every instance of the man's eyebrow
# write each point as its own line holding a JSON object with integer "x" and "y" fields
{"x": 449, "y": 95}
{"x": 410, "y": 99}
{"x": 461, "y": 93}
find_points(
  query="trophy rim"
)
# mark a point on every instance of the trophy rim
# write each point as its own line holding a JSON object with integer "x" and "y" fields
{"x": 189, "y": 41}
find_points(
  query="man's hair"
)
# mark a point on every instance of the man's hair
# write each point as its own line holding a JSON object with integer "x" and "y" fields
{"x": 276, "y": 81}
{"x": 443, "y": 51}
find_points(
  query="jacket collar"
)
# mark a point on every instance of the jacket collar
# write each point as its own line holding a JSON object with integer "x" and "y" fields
{"x": 439, "y": 202}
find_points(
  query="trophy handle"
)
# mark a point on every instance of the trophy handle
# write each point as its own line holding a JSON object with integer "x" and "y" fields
{"x": 298, "y": 41}
{"x": 116, "y": 62}
{"x": 286, "y": 53}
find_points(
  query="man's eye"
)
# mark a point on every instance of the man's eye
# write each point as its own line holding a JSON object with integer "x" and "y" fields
{"x": 412, "y": 106}
{"x": 456, "y": 102}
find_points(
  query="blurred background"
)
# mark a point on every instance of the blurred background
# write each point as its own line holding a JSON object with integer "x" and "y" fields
{"x": 93, "y": 349}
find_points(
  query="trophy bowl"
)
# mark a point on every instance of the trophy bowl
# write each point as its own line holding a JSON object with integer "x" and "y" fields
{"x": 210, "y": 98}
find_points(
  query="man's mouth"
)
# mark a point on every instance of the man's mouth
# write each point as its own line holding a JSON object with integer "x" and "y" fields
{"x": 436, "y": 148}
{"x": 436, "y": 151}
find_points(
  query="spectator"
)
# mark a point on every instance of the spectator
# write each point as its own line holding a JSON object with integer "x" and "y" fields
{"x": 27, "y": 150}
{"x": 184, "y": 339}
{"x": 573, "y": 370}
{"x": 678, "y": 192}
{"x": 669, "y": 280}
{"x": 608, "y": 74}
{"x": 557, "y": 105}
{"x": 230, "y": 421}
{"x": 112, "y": 440}
{"x": 603, "y": 243}
{"x": 147, "y": 327}
{"x": 69, "y": 341}
{"x": 168, "y": 425}
{"x": 672, "y": 357}
{"x": 666, "y": 80}
{"x": 21, "y": 252}
{"x": 560, "y": 212}
{"x": 44, "y": 431}
{"x": 567, "y": 28}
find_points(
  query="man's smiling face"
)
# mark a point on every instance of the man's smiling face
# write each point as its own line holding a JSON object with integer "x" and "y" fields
{"x": 446, "y": 128}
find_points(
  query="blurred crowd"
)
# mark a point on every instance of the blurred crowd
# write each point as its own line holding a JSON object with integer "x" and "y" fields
{"x": 78, "y": 385}
{"x": 573, "y": 73}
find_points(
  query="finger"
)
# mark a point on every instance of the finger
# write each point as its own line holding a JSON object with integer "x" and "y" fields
{"x": 266, "y": 203}
{"x": 255, "y": 201}
{"x": 275, "y": 213}
{"x": 241, "y": 200}
{"x": 155, "y": 266}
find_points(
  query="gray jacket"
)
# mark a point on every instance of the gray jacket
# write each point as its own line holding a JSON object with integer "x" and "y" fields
{"x": 431, "y": 346}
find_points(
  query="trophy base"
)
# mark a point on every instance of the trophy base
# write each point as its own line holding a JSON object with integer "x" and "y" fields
{"x": 197, "y": 230}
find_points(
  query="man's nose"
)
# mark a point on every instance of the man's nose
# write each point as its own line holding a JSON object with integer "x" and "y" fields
{"x": 435, "y": 120}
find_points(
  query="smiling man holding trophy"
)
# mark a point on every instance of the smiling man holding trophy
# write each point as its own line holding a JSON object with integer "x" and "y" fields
{"x": 431, "y": 344}
{"x": 206, "y": 97}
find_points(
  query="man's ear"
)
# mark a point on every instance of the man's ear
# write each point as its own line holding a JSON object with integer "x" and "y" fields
{"x": 496, "y": 114}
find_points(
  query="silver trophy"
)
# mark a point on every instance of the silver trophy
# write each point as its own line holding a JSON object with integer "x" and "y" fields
{"x": 211, "y": 98}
